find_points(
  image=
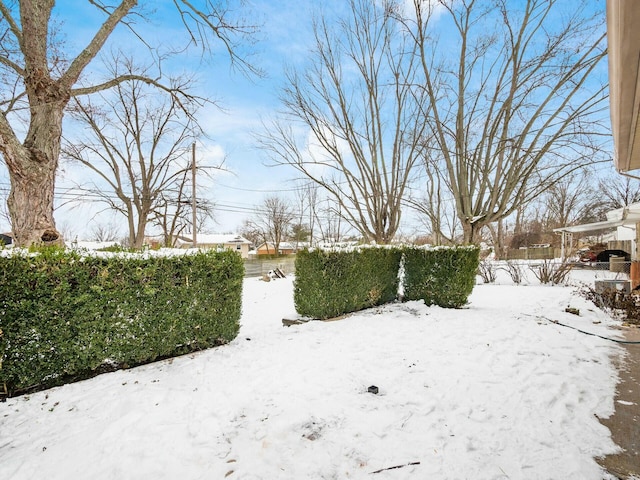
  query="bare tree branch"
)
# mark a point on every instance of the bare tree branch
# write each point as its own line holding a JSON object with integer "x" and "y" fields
{"x": 199, "y": 23}
{"x": 273, "y": 222}
{"x": 15, "y": 29}
{"x": 95, "y": 45}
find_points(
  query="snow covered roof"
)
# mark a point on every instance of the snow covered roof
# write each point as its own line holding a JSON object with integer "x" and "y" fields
{"x": 91, "y": 245}
{"x": 216, "y": 238}
{"x": 629, "y": 215}
{"x": 286, "y": 245}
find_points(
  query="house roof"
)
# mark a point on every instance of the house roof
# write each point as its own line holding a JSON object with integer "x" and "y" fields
{"x": 623, "y": 36}
{"x": 592, "y": 227}
{"x": 286, "y": 245}
{"x": 629, "y": 215}
{"x": 90, "y": 245}
{"x": 216, "y": 238}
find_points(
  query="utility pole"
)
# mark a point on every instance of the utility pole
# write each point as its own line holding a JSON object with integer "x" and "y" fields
{"x": 193, "y": 193}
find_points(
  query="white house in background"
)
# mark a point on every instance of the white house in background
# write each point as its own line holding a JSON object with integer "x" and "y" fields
{"x": 219, "y": 242}
{"x": 622, "y": 221}
{"x": 284, "y": 248}
{"x": 89, "y": 245}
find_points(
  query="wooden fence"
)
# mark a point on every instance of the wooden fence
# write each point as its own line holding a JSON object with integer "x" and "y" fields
{"x": 256, "y": 267}
{"x": 545, "y": 253}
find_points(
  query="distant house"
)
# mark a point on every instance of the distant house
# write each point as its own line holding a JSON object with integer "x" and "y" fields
{"x": 90, "y": 245}
{"x": 284, "y": 248}
{"x": 218, "y": 242}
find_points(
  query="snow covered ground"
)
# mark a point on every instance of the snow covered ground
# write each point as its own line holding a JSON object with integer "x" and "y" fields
{"x": 492, "y": 391}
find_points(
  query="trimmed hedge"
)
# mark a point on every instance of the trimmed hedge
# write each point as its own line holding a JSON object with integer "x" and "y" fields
{"x": 64, "y": 316}
{"x": 440, "y": 276}
{"x": 329, "y": 284}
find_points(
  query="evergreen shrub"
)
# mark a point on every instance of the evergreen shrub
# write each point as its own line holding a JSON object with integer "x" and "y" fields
{"x": 65, "y": 316}
{"x": 442, "y": 276}
{"x": 332, "y": 283}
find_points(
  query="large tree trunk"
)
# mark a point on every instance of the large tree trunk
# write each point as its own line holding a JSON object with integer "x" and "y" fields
{"x": 139, "y": 236}
{"x": 32, "y": 169}
{"x": 30, "y": 203}
{"x": 498, "y": 239}
{"x": 470, "y": 232}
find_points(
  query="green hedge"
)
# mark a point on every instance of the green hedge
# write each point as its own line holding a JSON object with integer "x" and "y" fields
{"x": 329, "y": 284}
{"x": 65, "y": 316}
{"x": 442, "y": 276}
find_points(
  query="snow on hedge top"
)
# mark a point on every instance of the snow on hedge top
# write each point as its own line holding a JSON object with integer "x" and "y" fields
{"x": 351, "y": 247}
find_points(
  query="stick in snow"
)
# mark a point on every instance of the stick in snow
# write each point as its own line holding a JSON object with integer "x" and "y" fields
{"x": 397, "y": 466}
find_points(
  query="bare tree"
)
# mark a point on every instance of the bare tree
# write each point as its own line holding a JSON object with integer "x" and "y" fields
{"x": 570, "y": 201}
{"x": 137, "y": 143}
{"x": 105, "y": 232}
{"x": 618, "y": 191}
{"x": 38, "y": 83}
{"x": 69, "y": 230}
{"x": 321, "y": 214}
{"x": 306, "y": 196}
{"x": 330, "y": 221}
{"x": 252, "y": 232}
{"x": 436, "y": 205}
{"x": 173, "y": 212}
{"x": 273, "y": 222}
{"x": 515, "y": 100}
{"x": 359, "y": 104}
{"x": 498, "y": 234}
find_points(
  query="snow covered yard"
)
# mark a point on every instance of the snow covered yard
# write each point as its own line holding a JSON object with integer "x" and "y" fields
{"x": 492, "y": 391}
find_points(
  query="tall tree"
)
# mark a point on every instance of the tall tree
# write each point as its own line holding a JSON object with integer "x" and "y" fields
{"x": 618, "y": 191}
{"x": 138, "y": 145}
{"x": 252, "y": 232}
{"x": 359, "y": 103}
{"x": 515, "y": 98}
{"x": 173, "y": 213}
{"x": 272, "y": 223}
{"x": 330, "y": 221}
{"x": 38, "y": 83}
{"x": 435, "y": 204}
{"x": 571, "y": 201}
{"x": 306, "y": 198}
{"x": 104, "y": 232}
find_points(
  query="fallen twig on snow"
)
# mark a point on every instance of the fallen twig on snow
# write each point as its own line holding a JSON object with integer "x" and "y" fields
{"x": 396, "y": 466}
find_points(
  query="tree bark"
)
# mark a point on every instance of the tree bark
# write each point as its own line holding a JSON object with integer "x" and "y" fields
{"x": 30, "y": 204}
{"x": 32, "y": 170}
{"x": 470, "y": 232}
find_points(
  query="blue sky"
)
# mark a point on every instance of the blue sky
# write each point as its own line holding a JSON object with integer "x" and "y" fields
{"x": 284, "y": 39}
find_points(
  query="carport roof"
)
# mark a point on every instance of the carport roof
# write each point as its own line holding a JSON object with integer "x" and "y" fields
{"x": 592, "y": 227}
